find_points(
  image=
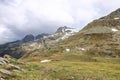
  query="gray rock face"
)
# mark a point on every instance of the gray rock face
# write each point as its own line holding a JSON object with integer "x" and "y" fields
{"x": 61, "y": 29}
{"x": 28, "y": 38}
{"x": 29, "y": 43}
{"x": 66, "y": 29}
{"x": 14, "y": 48}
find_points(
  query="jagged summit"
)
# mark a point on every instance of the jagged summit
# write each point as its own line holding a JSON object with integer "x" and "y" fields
{"x": 62, "y": 29}
{"x": 15, "y": 48}
{"x": 30, "y": 42}
{"x": 28, "y": 38}
{"x": 66, "y": 29}
{"x": 31, "y": 38}
{"x": 62, "y": 33}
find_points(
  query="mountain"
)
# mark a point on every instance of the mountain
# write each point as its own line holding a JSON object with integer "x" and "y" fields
{"x": 99, "y": 37}
{"x": 31, "y": 43}
{"x": 16, "y": 49}
{"x": 62, "y": 33}
{"x": 114, "y": 15}
{"x": 93, "y": 53}
{"x": 28, "y": 38}
{"x": 66, "y": 29}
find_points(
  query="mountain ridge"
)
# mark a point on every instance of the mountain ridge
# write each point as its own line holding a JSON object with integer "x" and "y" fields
{"x": 30, "y": 42}
{"x": 99, "y": 37}
{"x": 90, "y": 54}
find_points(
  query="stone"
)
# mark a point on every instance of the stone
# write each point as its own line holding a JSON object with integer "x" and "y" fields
{"x": 3, "y": 61}
{"x": 6, "y": 72}
{"x": 2, "y": 79}
{"x": 11, "y": 66}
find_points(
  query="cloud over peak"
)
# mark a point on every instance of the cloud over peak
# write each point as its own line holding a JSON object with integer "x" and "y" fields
{"x": 21, "y": 17}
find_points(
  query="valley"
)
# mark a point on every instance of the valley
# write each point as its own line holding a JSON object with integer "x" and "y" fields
{"x": 92, "y": 53}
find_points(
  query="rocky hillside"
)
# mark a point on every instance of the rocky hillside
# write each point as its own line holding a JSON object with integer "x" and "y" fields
{"x": 100, "y": 37}
{"x": 31, "y": 43}
{"x": 9, "y": 68}
{"x": 18, "y": 48}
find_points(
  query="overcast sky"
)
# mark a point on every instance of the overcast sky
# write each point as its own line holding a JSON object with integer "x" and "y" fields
{"x": 21, "y": 17}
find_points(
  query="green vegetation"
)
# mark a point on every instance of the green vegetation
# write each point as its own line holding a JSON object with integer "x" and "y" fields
{"x": 93, "y": 54}
{"x": 72, "y": 67}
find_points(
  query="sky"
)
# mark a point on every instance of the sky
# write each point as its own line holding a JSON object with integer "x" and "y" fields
{"x": 21, "y": 17}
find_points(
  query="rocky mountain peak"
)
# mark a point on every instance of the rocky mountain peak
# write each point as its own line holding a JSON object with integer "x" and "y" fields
{"x": 66, "y": 29}
{"x": 28, "y": 38}
{"x": 30, "y": 42}
{"x": 61, "y": 29}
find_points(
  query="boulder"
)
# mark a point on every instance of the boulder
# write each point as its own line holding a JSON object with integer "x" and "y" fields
{"x": 14, "y": 67}
{"x": 3, "y": 61}
{"x": 6, "y": 72}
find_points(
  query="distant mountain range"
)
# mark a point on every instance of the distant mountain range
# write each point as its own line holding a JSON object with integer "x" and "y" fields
{"x": 100, "y": 37}
{"x": 30, "y": 42}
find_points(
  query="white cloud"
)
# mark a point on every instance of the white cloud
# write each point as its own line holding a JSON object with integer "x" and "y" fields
{"x": 5, "y": 34}
{"x": 21, "y": 17}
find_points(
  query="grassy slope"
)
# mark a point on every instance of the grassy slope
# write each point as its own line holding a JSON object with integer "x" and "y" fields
{"x": 70, "y": 66}
{"x": 73, "y": 67}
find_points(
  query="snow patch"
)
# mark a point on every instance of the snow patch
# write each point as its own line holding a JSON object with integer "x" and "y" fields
{"x": 82, "y": 49}
{"x": 71, "y": 30}
{"x": 114, "y": 30}
{"x": 65, "y": 33}
{"x": 43, "y": 61}
{"x": 116, "y": 18}
{"x": 67, "y": 50}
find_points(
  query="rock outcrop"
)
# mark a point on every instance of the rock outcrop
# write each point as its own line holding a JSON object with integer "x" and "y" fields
{"x": 7, "y": 68}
